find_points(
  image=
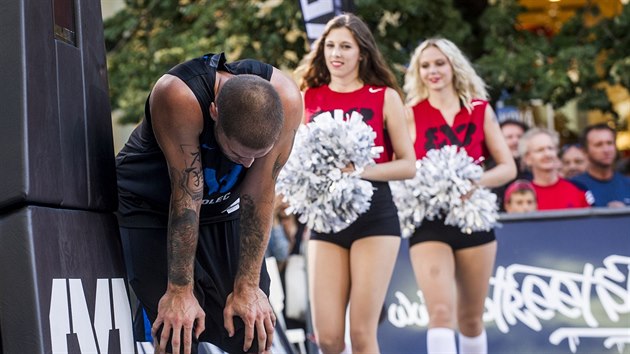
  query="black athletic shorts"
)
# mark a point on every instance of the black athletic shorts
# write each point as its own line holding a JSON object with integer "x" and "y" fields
{"x": 435, "y": 230}
{"x": 216, "y": 264}
{"x": 381, "y": 219}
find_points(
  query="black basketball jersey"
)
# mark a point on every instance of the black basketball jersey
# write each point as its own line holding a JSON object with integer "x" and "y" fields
{"x": 143, "y": 181}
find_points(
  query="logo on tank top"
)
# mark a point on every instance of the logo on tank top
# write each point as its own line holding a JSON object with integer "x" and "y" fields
{"x": 375, "y": 90}
{"x": 367, "y": 113}
{"x": 445, "y": 135}
{"x": 221, "y": 177}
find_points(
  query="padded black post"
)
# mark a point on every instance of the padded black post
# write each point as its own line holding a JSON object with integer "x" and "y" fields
{"x": 44, "y": 252}
{"x": 62, "y": 280}
{"x": 56, "y": 147}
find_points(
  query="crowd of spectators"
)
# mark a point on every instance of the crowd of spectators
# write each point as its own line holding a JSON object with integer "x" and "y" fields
{"x": 587, "y": 173}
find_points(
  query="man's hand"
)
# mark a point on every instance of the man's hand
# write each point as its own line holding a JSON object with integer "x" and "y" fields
{"x": 615, "y": 204}
{"x": 178, "y": 310}
{"x": 253, "y": 307}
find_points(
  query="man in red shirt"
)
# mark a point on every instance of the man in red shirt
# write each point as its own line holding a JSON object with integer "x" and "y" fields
{"x": 539, "y": 149}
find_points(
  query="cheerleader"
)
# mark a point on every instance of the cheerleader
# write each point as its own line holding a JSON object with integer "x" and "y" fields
{"x": 447, "y": 106}
{"x": 346, "y": 72}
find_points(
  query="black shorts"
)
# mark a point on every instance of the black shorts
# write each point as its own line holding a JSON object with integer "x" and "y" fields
{"x": 381, "y": 219}
{"x": 435, "y": 230}
{"x": 216, "y": 264}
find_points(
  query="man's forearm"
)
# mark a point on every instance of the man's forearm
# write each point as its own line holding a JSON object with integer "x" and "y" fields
{"x": 183, "y": 225}
{"x": 182, "y": 244}
{"x": 253, "y": 242}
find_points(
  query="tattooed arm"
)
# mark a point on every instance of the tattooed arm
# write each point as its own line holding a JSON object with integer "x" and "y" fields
{"x": 257, "y": 198}
{"x": 177, "y": 122}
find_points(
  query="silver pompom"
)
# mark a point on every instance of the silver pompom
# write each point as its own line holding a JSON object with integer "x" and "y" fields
{"x": 312, "y": 182}
{"x": 443, "y": 177}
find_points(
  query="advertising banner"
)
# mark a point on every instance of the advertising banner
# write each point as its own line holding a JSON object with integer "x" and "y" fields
{"x": 316, "y": 13}
{"x": 560, "y": 285}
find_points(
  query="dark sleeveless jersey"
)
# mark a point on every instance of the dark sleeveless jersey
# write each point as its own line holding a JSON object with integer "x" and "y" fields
{"x": 368, "y": 101}
{"x": 432, "y": 131}
{"x": 143, "y": 180}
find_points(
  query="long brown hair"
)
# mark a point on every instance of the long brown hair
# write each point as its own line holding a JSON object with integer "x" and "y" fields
{"x": 373, "y": 69}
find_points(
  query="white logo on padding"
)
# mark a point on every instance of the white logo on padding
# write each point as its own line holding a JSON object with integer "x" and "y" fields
{"x": 69, "y": 314}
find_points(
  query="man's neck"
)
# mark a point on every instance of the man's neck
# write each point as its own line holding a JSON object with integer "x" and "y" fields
{"x": 545, "y": 178}
{"x": 219, "y": 79}
{"x": 602, "y": 173}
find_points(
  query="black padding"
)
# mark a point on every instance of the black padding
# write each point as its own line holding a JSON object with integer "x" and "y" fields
{"x": 38, "y": 245}
{"x": 56, "y": 147}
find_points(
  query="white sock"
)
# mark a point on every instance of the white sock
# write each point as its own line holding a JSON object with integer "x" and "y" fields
{"x": 473, "y": 345}
{"x": 441, "y": 341}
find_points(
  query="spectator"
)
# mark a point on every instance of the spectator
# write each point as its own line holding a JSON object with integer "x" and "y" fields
{"x": 512, "y": 131}
{"x": 609, "y": 188}
{"x": 520, "y": 197}
{"x": 623, "y": 166}
{"x": 573, "y": 159}
{"x": 539, "y": 149}
{"x": 283, "y": 234}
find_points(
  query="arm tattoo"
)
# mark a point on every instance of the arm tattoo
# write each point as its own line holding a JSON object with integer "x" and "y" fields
{"x": 182, "y": 244}
{"x": 252, "y": 241}
{"x": 187, "y": 192}
{"x": 191, "y": 181}
{"x": 277, "y": 165}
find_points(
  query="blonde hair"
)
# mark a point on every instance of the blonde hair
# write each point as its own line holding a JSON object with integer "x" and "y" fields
{"x": 523, "y": 143}
{"x": 468, "y": 85}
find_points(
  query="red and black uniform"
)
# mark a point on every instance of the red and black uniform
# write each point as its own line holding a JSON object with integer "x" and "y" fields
{"x": 381, "y": 218}
{"x": 433, "y": 132}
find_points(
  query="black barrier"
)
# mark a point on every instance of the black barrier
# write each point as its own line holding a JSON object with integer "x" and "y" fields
{"x": 561, "y": 284}
{"x": 63, "y": 283}
{"x": 56, "y": 147}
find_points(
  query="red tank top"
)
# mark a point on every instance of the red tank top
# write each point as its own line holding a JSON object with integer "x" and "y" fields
{"x": 432, "y": 131}
{"x": 368, "y": 101}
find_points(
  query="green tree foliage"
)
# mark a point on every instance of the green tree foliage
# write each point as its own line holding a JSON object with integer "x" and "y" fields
{"x": 572, "y": 64}
{"x": 148, "y": 37}
{"x": 513, "y": 60}
{"x": 400, "y": 25}
{"x": 613, "y": 39}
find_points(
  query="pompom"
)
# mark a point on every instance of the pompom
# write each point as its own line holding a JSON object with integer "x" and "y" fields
{"x": 312, "y": 182}
{"x": 476, "y": 213}
{"x": 443, "y": 177}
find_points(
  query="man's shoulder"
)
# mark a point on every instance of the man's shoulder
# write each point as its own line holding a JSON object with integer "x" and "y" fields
{"x": 172, "y": 90}
{"x": 621, "y": 177}
{"x": 581, "y": 181}
{"x": 583, "y": 178}
{"x": 286, "y": 87}
{"x": 578, "y": 190}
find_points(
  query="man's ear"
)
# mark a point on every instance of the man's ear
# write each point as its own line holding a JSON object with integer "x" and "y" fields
{"x": 214, "y": 113}
{"x": 527, "y": 160}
